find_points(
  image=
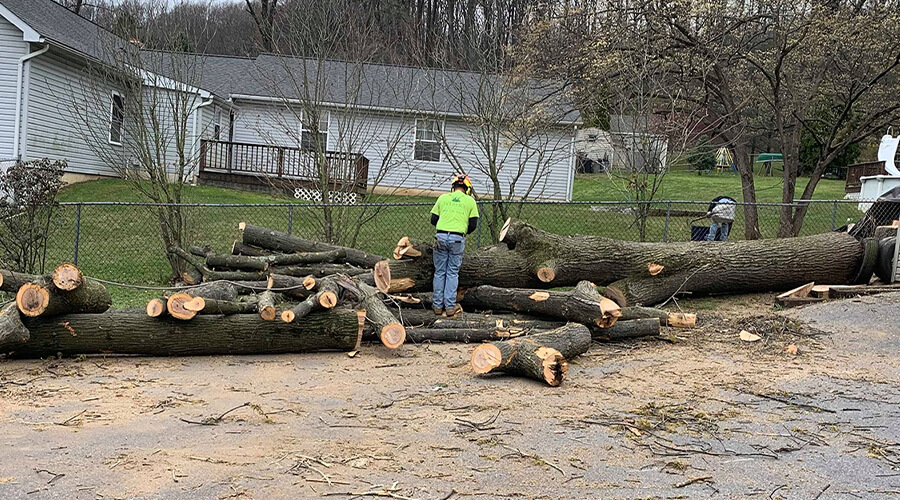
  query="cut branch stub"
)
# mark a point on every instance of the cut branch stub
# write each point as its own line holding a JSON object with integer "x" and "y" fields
{"x": 175, "y": 305}
{"x": 155, "y": 308}
{"x": 266, "y": 306}
{"x": 67, "y": 277}
{"x": 546, "y": 271}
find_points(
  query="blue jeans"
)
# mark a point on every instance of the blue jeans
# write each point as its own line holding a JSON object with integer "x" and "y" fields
{"x": 448, "y": 253}
{"x": 718, "y": 231}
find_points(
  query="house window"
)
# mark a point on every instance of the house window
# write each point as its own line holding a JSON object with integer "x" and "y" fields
{"x": 116, "y": 119}
{"x": 428, "y": 140}
{"x": 217, "y": 125}
{"x": 315, "y": 138}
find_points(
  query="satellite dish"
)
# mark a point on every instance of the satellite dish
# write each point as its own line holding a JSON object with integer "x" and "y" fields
{"x": 887, "y": 150}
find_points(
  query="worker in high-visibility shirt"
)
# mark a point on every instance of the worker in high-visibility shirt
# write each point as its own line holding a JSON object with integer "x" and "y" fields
{"x": 454, "y": 215}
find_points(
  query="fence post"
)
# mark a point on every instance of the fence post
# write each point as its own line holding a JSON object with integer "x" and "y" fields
{"x": 290, "y": 219}
{"x": 77, "y": 232}
{"x": 834, "y": 216}
{"x": 666, "y": 227}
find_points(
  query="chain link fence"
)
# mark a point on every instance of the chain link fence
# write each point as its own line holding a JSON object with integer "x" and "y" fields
{"x": 121, "y": 242}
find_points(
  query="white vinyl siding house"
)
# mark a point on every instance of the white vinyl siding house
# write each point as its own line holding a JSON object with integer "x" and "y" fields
{"x": 12, "y": 47}
{"x": 410, "y": 146}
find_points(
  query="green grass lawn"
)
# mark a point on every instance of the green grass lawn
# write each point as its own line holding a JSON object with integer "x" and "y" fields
{"x": 122, "y": 243}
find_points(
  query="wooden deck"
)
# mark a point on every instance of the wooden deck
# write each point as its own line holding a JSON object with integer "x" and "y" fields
{"x": 261, "y": 167}
{"x": 854, "y": 172}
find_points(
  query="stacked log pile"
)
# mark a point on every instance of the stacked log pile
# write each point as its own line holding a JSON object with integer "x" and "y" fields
{"x": 276, "y": 293}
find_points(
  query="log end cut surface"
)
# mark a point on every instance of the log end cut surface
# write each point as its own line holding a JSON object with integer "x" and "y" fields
{"x": 175, "y": 306}
{"x": 393, "y": 335}
{"x": 485, "y": 358}
{"x": 67, "y": 277}
{"x": 555, "y": 367}
{"x": 382, "y": 275}
{"x": 32, "y": 299}
{"x": 155, "y": 308}
{"x": 268, "y": 313}
{"x": 287, "y": 316}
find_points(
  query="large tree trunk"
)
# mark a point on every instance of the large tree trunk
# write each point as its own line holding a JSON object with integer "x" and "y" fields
{"x": 690, "y": 267}
{"x": 42, "y": 297}
{"x": 581, "y": 305}
{"x": 543, "y": 356}
{"x": 283, "y": 242}
{"x": 13, "y": 333}
{"x": 136, "y": 333}
{"x": 748, "y": 190}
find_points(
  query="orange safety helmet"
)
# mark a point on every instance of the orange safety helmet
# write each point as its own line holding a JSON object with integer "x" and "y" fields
{"x": 462, "y": 180}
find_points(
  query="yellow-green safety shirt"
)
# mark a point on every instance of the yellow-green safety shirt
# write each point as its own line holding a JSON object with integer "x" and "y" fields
{"x": 454, "y": 210}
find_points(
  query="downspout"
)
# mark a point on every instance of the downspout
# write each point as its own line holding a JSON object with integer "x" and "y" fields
{"x": 194, "y": 137}
{"x": 20, "y": 71}
{"x": 571, "y": 180}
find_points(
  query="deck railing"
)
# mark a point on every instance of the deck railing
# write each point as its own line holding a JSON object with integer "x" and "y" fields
{"x": 344, "y": 171}
{"x": 854, "y": 172}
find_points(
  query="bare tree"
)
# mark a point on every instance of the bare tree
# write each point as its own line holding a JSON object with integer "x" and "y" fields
{"x": 264, "y": 17}
{"x": 332, "y": 113}
{"x": 139, "y": 111}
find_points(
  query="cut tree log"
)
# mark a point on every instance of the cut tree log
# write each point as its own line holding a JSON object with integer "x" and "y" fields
{"x": 391, "y": 332}
{"x": 633, "y": 328}
{"x": 689, "y": 267}
{"x": 241, "y": 249}
{"x": 266, "y": 306}
{"x": 223, "y": 307}
{"x": 582, "y": 305}
{"x": 42, "y": 297}
{"x": 235, "y": 262}
{"x": 282, "y": 242}
{"x": 292, "y": 285}
{"x": 219, "y": 290}
{"x": 210, "y": 275}
{"x": 312, "y": 303}
{"x": 463, "y": 335}
{"x": 543, "y": 356}
{"x": 675, "y": 320}
{"x": 67, "y": 277}
{"x": 11, "y": 281}
{"x": 175, "y": 305}
{"x": 135, "y": 333}
{"x": 318, "y": 270}
{"x": 13, "y": 333}
{"x": 291, "y": 259}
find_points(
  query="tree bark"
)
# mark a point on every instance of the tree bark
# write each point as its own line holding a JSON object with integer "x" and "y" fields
{"x": 135, "y": 333}
{"x": 318, "y": 270}
{"x": 291, "y": 259}
{"x": 582, "y": 305}
{"x": 42, "y": 297}
{"x": 283, "y": 242}
{"x": 241, "y": 249}
{"x": 11, "y": 281}
{"x": 543, "y": 356}
{"x": 633, "y": 328}
{"x": 690, "y": 267}
{"x": 13, "y": 333}
{"x": 219, "y": 290}
{"x": 238, "y": 262}
{"x": 390, "y": 331}
{"x": 675, "y": 320}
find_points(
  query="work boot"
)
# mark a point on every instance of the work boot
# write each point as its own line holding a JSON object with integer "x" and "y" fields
{"x": 438, "y": 311}
{"x": 456, "y": 309}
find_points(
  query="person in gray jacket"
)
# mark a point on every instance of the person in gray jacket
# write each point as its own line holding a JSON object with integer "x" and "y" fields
{"x": 721, "y": 211}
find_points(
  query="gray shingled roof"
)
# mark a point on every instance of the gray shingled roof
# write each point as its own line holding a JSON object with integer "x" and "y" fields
{"x": 63, "y": 27}
{"x": 361, "y": 84}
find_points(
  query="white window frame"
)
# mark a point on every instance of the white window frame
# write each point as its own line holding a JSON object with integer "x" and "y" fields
{"x": 326, "y": 131}
{"x": 438, "y": 140}
{"x": 217, "y": 124}
{"x": 112, "y": 104}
